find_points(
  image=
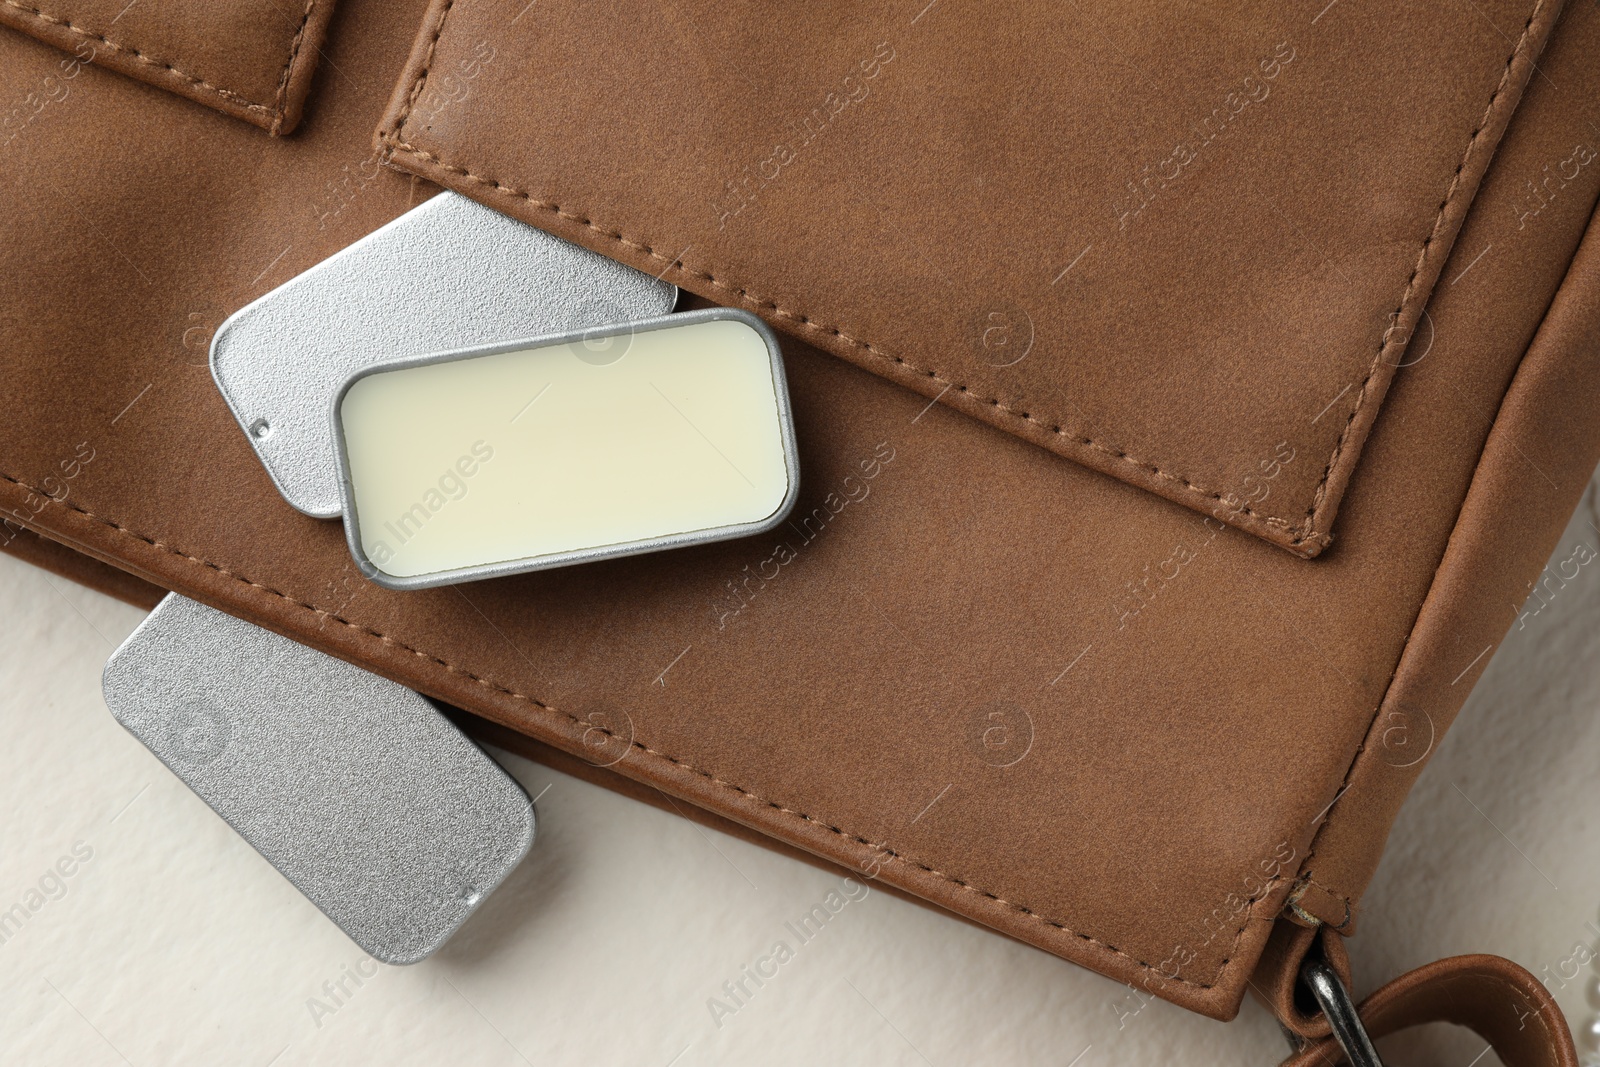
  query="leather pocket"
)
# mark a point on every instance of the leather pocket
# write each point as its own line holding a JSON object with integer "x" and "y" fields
{"x": 1188, "y": 251}
{"x": 251, "y": 60}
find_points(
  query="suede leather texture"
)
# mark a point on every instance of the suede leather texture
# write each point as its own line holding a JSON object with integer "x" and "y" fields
{"x": 251, "y": 61}
{"x": 1051, "y": 700}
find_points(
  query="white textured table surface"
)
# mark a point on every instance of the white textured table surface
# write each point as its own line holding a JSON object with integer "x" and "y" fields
{"x": 172, "y": 942}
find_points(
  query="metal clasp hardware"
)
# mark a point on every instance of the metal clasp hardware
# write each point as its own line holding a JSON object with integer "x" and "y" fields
{"x": 1334, "y": 1000}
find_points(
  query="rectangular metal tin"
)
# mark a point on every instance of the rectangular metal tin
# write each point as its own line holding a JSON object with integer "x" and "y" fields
{"x": 357, "y": 789}
{"x": 598, "y": 552}
{"x": 447, "y": 274}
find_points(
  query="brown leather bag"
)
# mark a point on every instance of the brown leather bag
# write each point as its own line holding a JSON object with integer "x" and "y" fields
{"x": 1184, "y": 400}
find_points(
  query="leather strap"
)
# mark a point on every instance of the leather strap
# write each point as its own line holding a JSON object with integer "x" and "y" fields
{"x": 1489, "y": 995}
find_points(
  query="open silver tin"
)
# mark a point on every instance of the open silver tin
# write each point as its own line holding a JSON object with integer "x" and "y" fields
{"x": 591, "y": 553}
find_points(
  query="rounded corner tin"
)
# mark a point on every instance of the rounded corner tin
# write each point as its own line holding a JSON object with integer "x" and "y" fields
{"x": 502, "y": 568}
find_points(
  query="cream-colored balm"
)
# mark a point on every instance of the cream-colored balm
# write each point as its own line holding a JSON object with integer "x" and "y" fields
{"x": 511, "y": 458}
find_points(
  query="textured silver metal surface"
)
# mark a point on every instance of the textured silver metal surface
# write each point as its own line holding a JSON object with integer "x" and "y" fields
{"x": 448, "y": 274}
{"x": 356, "y": 788}
{"x": 791, "y": 456}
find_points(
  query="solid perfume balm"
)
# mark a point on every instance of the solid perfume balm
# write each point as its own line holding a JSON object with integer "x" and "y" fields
{"x": 515, "y": 457}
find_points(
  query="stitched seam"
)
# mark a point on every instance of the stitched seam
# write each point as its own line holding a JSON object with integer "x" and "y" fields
{"x": 1355, "y": 759}
{"x": 878, "y": 848}
{"x": 1304, "y": 532}
{"x": 162, "y": 65}
{"x": 1422, "y": 256}
{"x": 421, "y": 79}
{"x": 279, "y": 102}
